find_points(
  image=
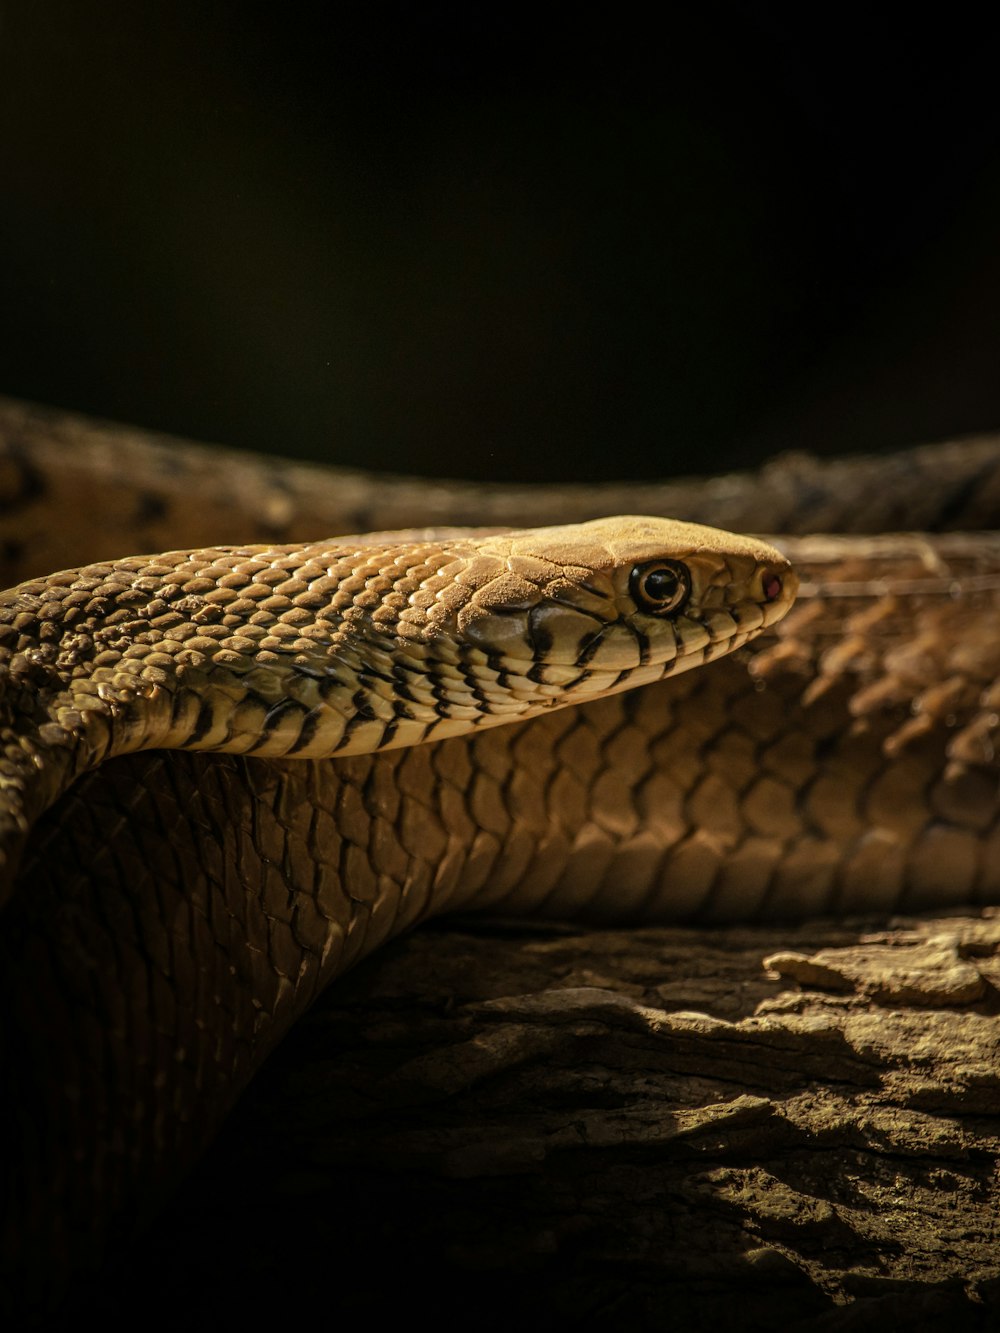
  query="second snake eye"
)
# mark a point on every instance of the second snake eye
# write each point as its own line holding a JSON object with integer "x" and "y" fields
{"x": 660, "y": 587}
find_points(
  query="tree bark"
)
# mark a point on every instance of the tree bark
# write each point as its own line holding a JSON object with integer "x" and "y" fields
{"x": 496, "y": 1125}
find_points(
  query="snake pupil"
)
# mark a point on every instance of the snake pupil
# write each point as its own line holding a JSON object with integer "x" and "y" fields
{"x": 661, "y": 585}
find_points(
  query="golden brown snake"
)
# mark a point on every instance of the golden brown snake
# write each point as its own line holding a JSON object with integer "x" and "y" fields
{"x": 855, "y": 767}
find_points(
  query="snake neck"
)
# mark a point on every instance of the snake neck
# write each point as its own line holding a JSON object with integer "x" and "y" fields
{"x": 330, "y": 649}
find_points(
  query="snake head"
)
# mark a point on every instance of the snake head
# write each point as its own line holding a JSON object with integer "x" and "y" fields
{"x": 469, "y": 633}
{"x": 603, "y": 606}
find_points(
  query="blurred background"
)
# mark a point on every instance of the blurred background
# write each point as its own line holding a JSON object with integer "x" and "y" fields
{"x": 503, "y": 241}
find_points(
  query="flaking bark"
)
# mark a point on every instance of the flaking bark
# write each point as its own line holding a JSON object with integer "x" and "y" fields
{"x": 500, "y": 1126}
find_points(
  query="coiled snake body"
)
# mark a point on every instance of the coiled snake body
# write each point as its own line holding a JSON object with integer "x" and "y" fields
{"x": 172, "y": 914}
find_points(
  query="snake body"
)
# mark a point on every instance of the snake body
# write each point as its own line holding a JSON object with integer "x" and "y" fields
{"x": 174, "y": 912}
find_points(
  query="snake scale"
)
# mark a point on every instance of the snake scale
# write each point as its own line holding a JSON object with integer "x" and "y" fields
{"x": 173, "y": 912}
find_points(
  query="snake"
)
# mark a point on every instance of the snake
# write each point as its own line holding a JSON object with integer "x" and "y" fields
{"x": 231, "y": 769}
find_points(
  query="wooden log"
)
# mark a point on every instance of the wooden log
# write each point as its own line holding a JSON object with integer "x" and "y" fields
{"x": 501, "y": 1125}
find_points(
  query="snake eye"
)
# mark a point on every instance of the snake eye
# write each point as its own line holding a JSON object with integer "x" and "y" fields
{"x": 660, "y": 586}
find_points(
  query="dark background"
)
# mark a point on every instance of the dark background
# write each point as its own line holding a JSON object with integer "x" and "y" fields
{"x": 515, "y": 241}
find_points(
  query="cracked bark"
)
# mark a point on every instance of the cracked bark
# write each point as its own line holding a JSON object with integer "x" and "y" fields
{"x": 495, "y": 1124}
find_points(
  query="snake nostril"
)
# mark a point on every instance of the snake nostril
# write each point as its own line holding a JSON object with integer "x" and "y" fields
{"x": 772, "y": 586}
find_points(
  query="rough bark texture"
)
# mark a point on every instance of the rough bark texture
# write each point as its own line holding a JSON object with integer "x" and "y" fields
{"x": 496, "y": 1127}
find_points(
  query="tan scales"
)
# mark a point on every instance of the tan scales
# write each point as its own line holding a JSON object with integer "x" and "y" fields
{"x": 854, "y": 766}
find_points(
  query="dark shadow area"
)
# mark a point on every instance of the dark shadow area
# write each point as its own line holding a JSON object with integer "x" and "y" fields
{"x": 503, "y": 242}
